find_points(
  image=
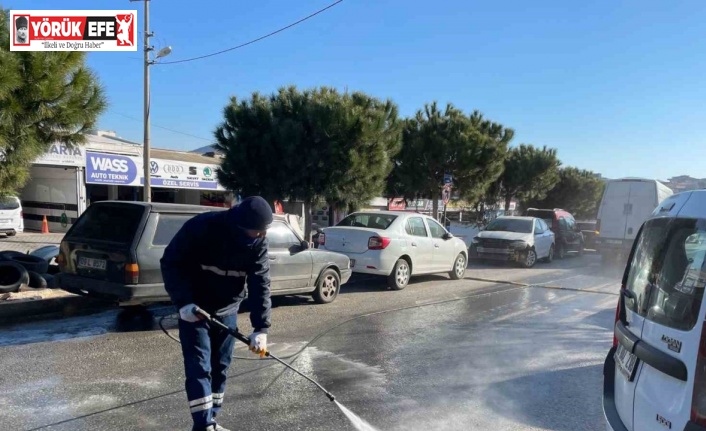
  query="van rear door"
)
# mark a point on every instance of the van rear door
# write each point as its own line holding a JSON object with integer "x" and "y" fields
{"x": 613, "y": 210}
{"x": 103, "y": 241}
{"x": 642, "y": 201}
{"x": 672, "y": 330}
{"x": 10, "y": 213}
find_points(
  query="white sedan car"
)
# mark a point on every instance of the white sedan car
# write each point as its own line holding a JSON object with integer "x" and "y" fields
{"x": 515, "y": 239}
{"x": 396, "y": 244}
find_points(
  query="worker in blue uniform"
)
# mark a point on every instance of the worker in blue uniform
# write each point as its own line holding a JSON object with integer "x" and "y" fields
{"x": 207, "y": 265}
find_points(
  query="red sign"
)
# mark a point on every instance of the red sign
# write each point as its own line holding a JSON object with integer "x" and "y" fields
{"x": 396, "y": 204}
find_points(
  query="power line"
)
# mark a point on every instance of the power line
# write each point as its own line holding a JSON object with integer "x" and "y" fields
{"x": 254, "y": 40}
{"x": 166, "y": 128}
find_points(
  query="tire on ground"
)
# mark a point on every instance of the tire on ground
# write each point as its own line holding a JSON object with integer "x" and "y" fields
{"x": 455, "y": 273}
{"x": 31, "y": 263}
{"x": 327, "y": 287}
{"x": 9, "y": 254}
{"x": 399, "y": 283}
{"x": 12, "y": 276}
{"x": 36, "y": 280}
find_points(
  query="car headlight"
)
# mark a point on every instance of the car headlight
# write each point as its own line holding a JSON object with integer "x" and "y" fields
{"x": 518, "y": 244}
{"x": 475, "y": 240}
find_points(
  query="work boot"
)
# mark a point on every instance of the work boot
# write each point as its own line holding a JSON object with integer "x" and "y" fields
{"x": 220, "y": 428}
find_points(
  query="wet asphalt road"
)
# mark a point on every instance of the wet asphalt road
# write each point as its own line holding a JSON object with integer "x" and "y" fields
{"x": 439, "y": 355}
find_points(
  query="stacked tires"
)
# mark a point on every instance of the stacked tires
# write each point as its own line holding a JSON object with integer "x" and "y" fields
{"x": 18, "y": 269}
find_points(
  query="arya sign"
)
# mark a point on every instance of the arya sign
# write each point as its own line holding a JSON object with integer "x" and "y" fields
{"x": 60, "y": 154}
{"x": 112, "y": 169}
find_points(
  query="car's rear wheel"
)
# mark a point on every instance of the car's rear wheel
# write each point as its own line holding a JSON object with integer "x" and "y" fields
{"x": 530, "y": 258}
{"x": 399, "y": 277}
{"x": 459, "y": 269}
{"x": 327, "y": 287}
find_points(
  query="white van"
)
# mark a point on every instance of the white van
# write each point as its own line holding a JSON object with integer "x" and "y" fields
{"x": 626, "y": 204}
{"x": 655, "y": 373}
{"x": 11, "y": 220}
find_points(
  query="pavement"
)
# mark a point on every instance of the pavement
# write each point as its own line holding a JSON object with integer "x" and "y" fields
{"x": 27, "y": 241}
{"x": 438, "y": 355}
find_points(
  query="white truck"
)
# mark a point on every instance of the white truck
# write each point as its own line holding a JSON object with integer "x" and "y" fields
{"x": 626, "y": 204}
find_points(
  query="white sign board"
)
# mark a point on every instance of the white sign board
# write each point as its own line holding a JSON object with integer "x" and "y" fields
{"x": 183, "y": 175}
{"x": 61, "y": 155}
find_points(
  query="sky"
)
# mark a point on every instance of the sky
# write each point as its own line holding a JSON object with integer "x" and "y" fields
{"x": 617, "y": 87}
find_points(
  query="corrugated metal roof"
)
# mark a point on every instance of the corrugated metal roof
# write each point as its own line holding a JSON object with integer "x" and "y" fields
{"x": 183, "y": 156}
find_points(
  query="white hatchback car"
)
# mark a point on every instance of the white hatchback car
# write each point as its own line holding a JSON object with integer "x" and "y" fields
{"x": 396, "y": 244}
{"x": 11, "y": 221}
{"x": 655, "y": 373}
{"x": 515, "y": 239}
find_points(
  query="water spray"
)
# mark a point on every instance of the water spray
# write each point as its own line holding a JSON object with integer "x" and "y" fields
{"x": 239, "y": 336}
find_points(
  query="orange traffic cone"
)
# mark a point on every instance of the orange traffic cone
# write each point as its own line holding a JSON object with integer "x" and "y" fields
{"x": 45, "y": 225}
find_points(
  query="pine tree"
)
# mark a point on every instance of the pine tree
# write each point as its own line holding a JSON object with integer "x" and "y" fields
{"x": 45, "y": 98}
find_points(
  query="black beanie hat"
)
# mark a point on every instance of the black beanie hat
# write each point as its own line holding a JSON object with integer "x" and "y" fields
{"x": 21, "y": 22}
{"x": 253, "y": 213}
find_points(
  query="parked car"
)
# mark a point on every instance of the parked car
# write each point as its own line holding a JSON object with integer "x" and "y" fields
{"x": 589, "y": 232}
{"x": 113, "y": 251}
{"x": 515, "y": 239}
{"x": 11, "y": 218}
{"x": 655, "y": 373}
{"x": 396, "y": 244}
{"x": 567, "y": 233}
{"x": 625, "y": 205}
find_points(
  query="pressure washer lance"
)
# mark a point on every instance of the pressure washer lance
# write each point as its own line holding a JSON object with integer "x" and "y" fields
{"x": 235, "y": 333}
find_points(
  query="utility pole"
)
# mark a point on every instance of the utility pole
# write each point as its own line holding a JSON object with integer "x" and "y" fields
{"x": 147, "y": 190}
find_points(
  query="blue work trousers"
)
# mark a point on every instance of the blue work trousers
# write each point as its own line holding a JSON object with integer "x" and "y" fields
{"x": 207, "y": 351}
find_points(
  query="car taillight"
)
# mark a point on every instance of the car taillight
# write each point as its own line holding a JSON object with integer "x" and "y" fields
{"x": 378, "y": 243}
{"x": 132, "y": 273}
{"x": 61, "y": 261}
{"x": 617, "y": 317}
{"x": 322, "y": 239}
{"x": 698, "y": 401}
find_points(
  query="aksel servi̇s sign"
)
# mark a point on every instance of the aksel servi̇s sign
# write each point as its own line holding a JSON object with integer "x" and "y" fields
{"x": 73, "y": 30}
{"x": 115, "y": 169}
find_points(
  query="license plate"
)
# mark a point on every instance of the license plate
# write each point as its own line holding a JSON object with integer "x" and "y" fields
{"x": 493, "y": 250}
{"x": 613, "y": 241}
{"x": 5, "y": 220}
{"x": 352, "y": 263}
{"x": 627, "y": 362}
{"x": 88, "y": 263}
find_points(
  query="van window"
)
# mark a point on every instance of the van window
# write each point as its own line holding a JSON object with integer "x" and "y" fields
{"x": 668, "y": 272}
{"x": 114, "y": 223}
{"x": 9, "y": 203}
{"x": 168, "y": 226}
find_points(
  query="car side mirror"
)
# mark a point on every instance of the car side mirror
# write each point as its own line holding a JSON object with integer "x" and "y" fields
{"x": 305, "y": 245}
{"x": 447, "y": 236}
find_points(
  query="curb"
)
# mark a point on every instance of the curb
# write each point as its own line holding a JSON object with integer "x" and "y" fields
{"x": 21, "y": 310}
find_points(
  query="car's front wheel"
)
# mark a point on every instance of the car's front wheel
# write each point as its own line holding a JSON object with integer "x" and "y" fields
{"x": 399, "y": 277}
{"x": 459, "y": 269}
{"x": 530, "y": 258}
{"x": 327, "y": 287}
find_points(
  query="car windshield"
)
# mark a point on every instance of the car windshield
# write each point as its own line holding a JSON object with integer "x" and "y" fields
{"x": 510, "y": 225}
{"x": 369, "y": 220}
{"x": 9, "y": 203}
{"x": 668, "y": 273}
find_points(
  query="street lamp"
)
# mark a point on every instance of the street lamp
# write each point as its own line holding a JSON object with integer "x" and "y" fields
{"x": 147, "y": 190}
